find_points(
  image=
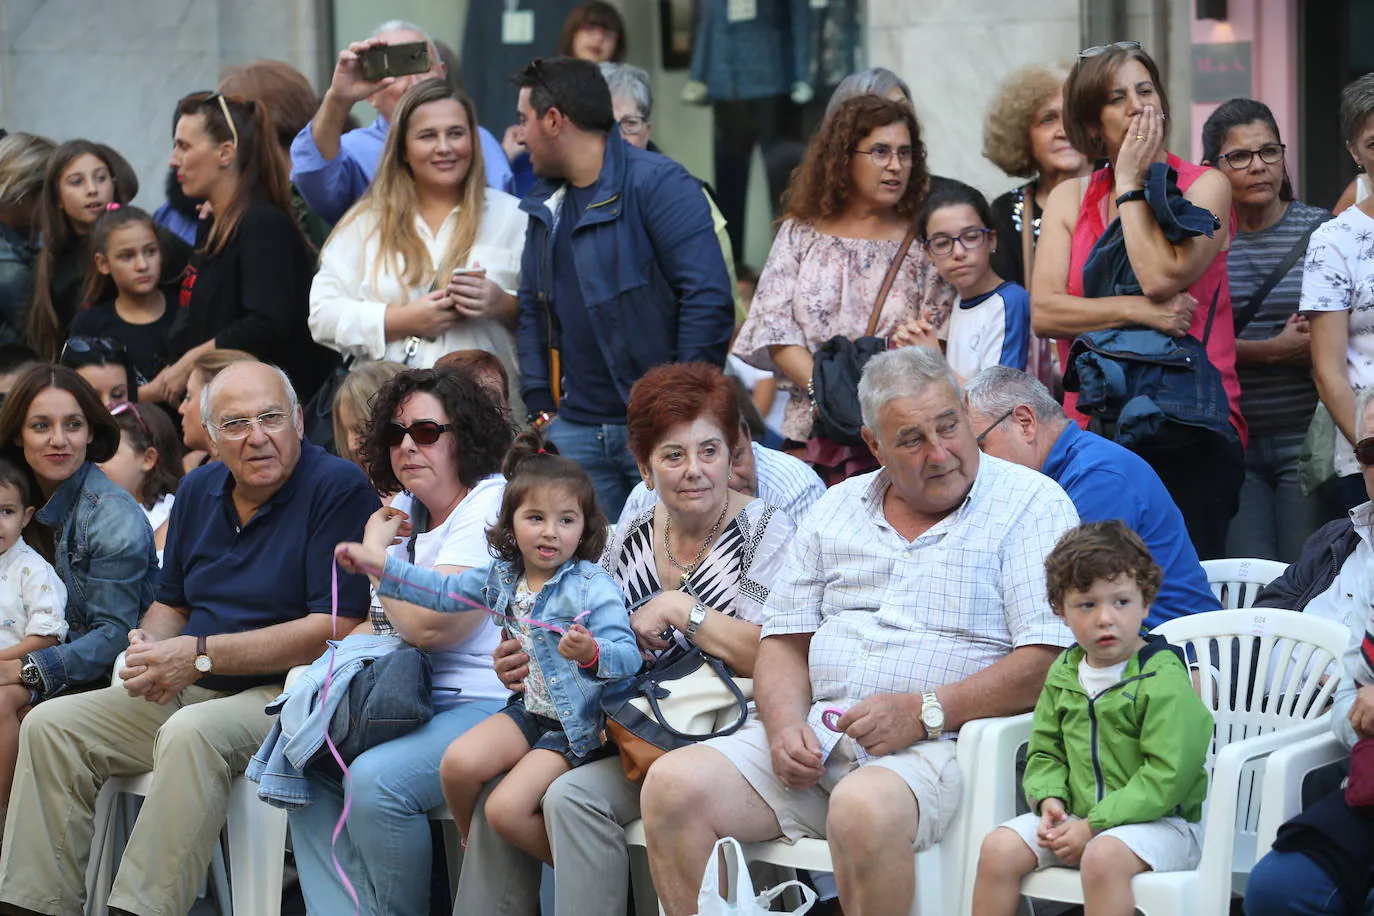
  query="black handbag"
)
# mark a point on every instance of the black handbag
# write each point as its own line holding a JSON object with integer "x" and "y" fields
{"x": 839, "y": 364}
{"x": 390, "y": 696}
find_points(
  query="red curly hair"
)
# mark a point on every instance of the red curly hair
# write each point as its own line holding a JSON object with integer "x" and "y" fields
{"x": 679, "y": 393}
{"x": 820, "y": 185}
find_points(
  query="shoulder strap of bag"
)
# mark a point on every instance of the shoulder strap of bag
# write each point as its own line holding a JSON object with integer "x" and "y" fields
{"x": 1252, "y": 306}
{"x": 889, "y": 279}
{"x": 1211, "y": 316}
{"x": 1027, "y": 235}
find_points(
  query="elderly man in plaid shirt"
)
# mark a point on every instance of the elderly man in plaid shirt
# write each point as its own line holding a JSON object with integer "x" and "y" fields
{"x": 913, "y": 600}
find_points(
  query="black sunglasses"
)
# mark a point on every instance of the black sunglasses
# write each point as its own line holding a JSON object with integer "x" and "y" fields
{"x": 107, "y": 347}
{"x": 425, "y": 432}
{"x": 1364, "y": 452}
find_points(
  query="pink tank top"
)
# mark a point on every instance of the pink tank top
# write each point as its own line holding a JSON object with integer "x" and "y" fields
{"x": 1221, "y": 345}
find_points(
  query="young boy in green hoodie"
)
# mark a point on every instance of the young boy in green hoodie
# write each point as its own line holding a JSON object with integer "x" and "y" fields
{"x": 1115, "y": 773}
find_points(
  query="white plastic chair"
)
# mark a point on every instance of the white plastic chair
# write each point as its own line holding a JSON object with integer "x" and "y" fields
{"x": 1237, "y": 582}
{"x": 940, "y": 870}
{"x": 1284, "y": 773}
{"x": 1287, "y": 650}
{"x": 253, "y": 842}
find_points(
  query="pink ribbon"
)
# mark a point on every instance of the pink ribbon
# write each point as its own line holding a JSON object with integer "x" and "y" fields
{"x": 831, "y": 718}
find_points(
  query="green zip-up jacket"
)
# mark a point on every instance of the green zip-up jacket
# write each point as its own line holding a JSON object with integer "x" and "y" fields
{"x": 1134, "y": 754}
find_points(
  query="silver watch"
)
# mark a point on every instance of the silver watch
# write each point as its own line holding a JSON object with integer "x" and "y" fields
{"x": 932, "y": 715}
{"x": 695, "y": 618}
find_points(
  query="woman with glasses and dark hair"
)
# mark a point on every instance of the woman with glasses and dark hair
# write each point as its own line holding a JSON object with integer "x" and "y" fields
{"x": 248, "y": 286}
{"x": 435, "y": 441}
{"x": 55, "y": 428}
{"x": 1115, "y": 108}
{"x": 105, "y": 365}
{"x": 1338, "y": 295}
{"x": 849, "y": 207}
{"x": 1273, "y": 341}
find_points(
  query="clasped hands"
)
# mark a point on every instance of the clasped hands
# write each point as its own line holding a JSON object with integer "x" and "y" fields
{"x": 1062, "y": 835}
{"x": 158, "y": 669}
{"x": 882, "y": 724}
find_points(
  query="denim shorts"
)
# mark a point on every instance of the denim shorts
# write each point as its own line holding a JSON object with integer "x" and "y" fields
{"x": 547, "y": 734}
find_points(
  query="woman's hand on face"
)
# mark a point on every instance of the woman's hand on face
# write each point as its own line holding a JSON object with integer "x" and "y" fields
{"x": 1173, "y": 316}
{"x": 1142, "y": 145}
{"x": 431, "y": 315}
{"x": 661, "y": 613}
{"x": 474, "y": 296}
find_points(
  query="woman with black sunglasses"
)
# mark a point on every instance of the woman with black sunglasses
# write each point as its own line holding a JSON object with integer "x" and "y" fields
{"x": 1115, "y": 108}
{"x": 435, "y": 440}
{"x": 1273, "y": 340}
{"x": 105, "y": 365}
{"x": 248, "y": 286}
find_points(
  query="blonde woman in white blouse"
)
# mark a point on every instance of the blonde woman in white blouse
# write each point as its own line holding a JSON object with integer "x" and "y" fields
{"x": 387, "y": 287}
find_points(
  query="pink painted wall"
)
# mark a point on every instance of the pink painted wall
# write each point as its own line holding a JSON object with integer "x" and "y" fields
{"x": 1271, "y": 28}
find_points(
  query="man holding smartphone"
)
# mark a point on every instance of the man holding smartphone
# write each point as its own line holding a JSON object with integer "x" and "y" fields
{"x": 331, "y": 168}
{"x": 621, "y": 272}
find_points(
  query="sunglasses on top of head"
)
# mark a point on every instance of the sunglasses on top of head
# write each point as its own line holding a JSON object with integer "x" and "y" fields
{"x": 424, "y": 432}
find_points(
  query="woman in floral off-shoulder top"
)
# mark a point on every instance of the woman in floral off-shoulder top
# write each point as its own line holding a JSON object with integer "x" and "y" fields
{"x": 848, "y": 208}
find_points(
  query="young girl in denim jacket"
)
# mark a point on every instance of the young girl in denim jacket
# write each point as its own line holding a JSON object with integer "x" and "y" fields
{"x": 566, "y": 611}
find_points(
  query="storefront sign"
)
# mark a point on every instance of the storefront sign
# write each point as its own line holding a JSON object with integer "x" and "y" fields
{"x": 1221, "y": 72}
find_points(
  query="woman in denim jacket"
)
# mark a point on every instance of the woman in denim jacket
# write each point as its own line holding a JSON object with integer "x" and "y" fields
{"x": 97, "y": 536}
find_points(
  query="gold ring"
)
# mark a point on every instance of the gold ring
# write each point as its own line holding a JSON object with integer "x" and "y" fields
{"x": 1139, "y": 137}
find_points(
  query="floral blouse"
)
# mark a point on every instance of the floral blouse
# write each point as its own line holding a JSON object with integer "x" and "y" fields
{"x": 815, "y": 286}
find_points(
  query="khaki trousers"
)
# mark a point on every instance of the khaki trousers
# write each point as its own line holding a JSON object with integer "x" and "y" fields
{"x": 196, "y": 744}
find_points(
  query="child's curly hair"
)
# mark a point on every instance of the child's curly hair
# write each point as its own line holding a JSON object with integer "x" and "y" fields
{"x": 1095, "y": 551}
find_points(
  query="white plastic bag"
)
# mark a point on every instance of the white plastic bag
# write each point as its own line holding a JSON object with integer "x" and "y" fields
{"x": 739, "y": 898}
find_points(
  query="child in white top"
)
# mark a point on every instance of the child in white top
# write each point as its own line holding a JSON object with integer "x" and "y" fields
{"x": 33, "y": 610}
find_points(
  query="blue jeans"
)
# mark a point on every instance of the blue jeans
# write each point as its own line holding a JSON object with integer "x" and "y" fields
{"x": 1275, "y": 518}
{"x": 385, "y": 849}
{"x": 1291, "y": 884}
{"x": 604, "y": 453}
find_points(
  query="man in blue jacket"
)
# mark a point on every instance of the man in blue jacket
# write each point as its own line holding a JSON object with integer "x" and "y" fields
{"x": 1017, "y": 419}
{"x": 621, "y": 272}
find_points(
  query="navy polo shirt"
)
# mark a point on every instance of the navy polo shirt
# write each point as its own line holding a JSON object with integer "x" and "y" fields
{"x": 274, "y": 569}
{"x": 1107, "y": 481}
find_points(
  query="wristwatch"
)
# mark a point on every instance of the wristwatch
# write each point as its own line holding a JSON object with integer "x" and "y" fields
{"x": 695, "y": 618}
{"x": 29, "y": 674}
{"x": 932, "y": 715}
{"x": 1137, "y": 194}
{"x": 203, "y": 663}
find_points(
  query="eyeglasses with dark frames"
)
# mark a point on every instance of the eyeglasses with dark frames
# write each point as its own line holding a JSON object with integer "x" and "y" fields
{"x": 882, "y": 154}
{"x": 1239, "y": 159}
{"x": 1095, "y": 50}
{"x": 107, "y": 347}
{"x": 991, "y": 426}
{"x": 942, "y": 246}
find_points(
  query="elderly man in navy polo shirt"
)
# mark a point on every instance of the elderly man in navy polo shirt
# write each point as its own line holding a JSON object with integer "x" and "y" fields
{"x": 245, "y": 595}
{"x": 1017, "y": 419}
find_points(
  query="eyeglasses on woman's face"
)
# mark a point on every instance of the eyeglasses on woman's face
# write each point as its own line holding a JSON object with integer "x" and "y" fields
{"x": 882, "y": 154}
{"x": 422, "y": 432}
{"x": 1238, "y": 159}
{"x": 632, "y": 126}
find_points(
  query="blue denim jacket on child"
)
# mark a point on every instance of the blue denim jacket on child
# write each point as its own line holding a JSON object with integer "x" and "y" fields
{"x": 578, "y": 586}
{"x": 107, "y": 559}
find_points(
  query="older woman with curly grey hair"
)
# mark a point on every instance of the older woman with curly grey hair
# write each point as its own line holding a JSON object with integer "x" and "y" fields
{"x": 1024, "y": 136}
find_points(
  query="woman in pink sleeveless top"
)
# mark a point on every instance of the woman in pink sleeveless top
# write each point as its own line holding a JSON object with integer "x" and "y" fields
{"x": 1115, "y": 108}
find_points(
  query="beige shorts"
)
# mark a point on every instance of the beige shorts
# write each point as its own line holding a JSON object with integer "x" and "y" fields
{"x": 1168, "y": 844}
{"x": 929, "y": 769}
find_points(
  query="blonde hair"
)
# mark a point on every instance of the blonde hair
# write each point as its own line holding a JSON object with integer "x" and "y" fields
{"x": 393, "y": 196}
{"x": 1006, "y": 132}
{"x": 355, "y": 395}
{"x": 23, "y": 158}
{"x": 213, "y": 362}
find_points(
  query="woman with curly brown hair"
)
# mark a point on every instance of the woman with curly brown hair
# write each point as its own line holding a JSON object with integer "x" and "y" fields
{"x": 847, "y": 211}
{"x": 436, "y": 439}
{"x": 1024, "y": 136}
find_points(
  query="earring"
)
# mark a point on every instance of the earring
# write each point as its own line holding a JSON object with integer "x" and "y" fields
{"x": 648, "y": 484}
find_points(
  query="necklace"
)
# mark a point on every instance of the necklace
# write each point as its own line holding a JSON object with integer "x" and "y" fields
{"x": 705, "y": 545}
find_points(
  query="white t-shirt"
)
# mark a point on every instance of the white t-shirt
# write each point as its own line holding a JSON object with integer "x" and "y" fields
{"x": 989, "y": 330}
{"x": 1096, "y": 680}
{"x": 33, "y": 600}
{"x": 462, "y": 541}
{"x": 1338, "y": 276}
